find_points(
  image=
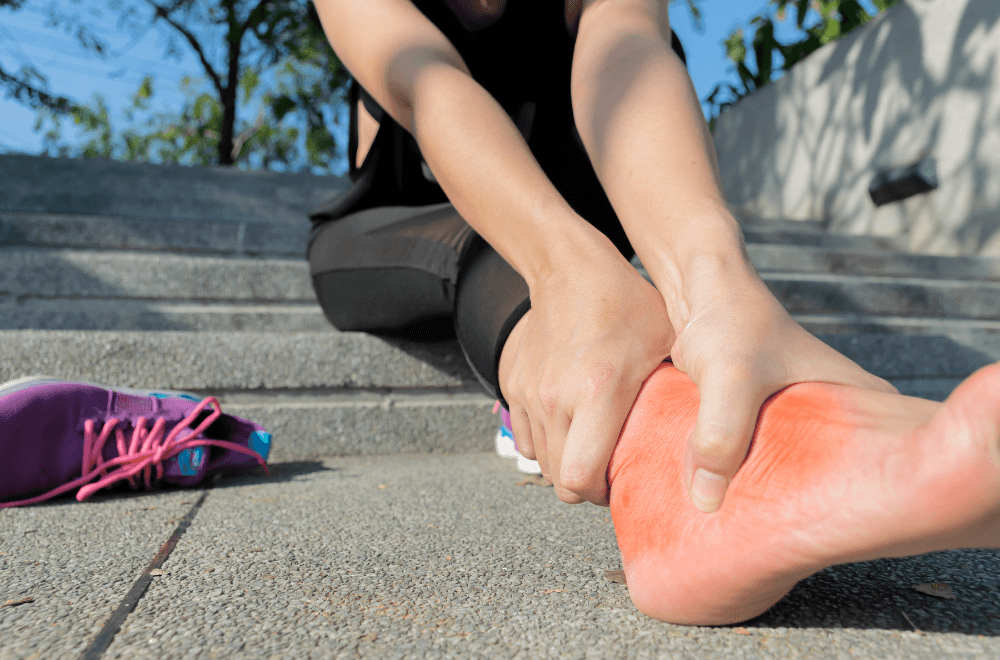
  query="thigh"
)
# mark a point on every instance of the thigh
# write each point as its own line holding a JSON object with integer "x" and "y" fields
{"x": 385, "y": 269}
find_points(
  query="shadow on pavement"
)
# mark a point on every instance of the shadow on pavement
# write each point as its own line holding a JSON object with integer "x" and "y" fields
{"x": 881, "y": 595}
{"x": 279, "y": 472}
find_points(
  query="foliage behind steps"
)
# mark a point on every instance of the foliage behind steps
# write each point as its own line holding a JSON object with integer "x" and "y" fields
{"x": 828, "y": 19}
{"x": 271, "y": 54}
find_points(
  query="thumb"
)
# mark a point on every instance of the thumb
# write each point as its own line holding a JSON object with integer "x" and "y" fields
{"x": 727, "y": 416}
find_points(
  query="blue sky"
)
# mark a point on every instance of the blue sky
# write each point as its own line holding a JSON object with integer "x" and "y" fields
{"x": 26, "y": 39}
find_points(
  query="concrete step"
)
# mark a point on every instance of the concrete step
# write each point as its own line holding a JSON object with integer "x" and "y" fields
{"x": 33, "y": 271}
{"x": 332, "y": 362}
{"x": 235, "y": 361}
{"x": 284, "y": 235}
{"x": 159, "y": 315}
{"x": 287, "y": 239}
{"x": 868, "y": 324}
{"x": 39, "y": 272}
{"x": 320, "y": 394}
{"x": 763, "y": 234}
{"x": 137, "y": 190}
{"x": 803, "y": 259}
{"x": 314, "y": 425}
{"x": 819, "y": 293}
{"x": 971, "y": 290}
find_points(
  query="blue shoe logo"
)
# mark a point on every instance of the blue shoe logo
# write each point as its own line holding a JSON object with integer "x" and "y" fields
{"x": 260, "y": 442}
{"x": 190, "y": 461}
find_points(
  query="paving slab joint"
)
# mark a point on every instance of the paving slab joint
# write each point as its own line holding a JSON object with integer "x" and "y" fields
{"x": 107, "y": 633}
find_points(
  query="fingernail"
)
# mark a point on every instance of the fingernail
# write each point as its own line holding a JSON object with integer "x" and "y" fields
{"x": 708, "y": 489}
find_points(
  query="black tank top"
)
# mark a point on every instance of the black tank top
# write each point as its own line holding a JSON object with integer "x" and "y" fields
{"x": 524, "y": 60}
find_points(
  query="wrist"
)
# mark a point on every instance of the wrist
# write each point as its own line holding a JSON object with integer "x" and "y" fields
{"x": 565, "y": 243}
{"x": 701, "y": 255}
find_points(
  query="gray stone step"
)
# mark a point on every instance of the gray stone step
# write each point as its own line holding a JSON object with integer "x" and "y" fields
{"x": 335, "y": 362}
{"x": 321, "y": 394}
{"x": 159, "y": 315}
{"x": 286, "y": 235}
{"x": 867, "y": 324}
{"x": 234, "y": 361}
{"x": 870, "y": 284}
{"x": 33, "y": 271}
{"x": 763, "y": 234}
{"x": 37, "y": 272}
{"x": 287, "y": 239}
{"x": 801, "y": 259}
{"x": 137, "y": 190}
{"x": 314, "y": 425}
{"x": 817, "y": 293}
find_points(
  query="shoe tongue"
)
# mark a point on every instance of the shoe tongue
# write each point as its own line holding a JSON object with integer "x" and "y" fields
{"x": 132, "y": 406}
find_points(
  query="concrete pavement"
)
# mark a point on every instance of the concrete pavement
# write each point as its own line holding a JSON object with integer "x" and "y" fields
{"x": 427, "y": 556}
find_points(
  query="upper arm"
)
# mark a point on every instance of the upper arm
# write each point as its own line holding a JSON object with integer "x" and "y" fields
{"x": 651, "y": 12}
{"x": 385, "y": 44}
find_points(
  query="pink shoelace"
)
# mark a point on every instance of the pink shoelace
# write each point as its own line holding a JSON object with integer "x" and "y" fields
{"x": 145, "y": 452}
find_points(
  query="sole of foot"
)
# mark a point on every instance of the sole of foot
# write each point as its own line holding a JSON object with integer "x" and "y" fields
{"x": 834, "y": 475}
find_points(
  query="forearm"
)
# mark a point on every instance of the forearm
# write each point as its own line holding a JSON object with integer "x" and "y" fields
{"x": 488, "y": 172}
{"x": 642, "y": 125}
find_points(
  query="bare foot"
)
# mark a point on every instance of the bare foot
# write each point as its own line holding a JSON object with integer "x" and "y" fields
{"x": 834, "y": 475}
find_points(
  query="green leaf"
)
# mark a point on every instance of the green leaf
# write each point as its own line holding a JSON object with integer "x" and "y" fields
{"x": 281, "y": 106}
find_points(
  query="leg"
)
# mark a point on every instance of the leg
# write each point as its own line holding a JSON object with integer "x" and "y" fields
{"x": 386, "y": 269}
{"x": 490, "y": 299}
{"x": 834, "y": 475}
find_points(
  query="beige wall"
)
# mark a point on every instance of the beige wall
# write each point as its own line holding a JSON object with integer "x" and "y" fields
{"x": 923, "y": 79}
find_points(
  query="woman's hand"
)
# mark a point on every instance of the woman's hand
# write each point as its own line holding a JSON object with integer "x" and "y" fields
{"x": 573, "y": 366}
{"x": 739, "y": 346}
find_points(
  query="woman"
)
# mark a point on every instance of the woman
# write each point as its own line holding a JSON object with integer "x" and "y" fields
{"x": 595, "y": 329}
{"x": 565, "y": 134}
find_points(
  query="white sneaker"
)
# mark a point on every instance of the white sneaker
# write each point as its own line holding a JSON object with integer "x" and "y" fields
{"x": 505, "y": 444}
{"x": 528, "y": 467}
{"x": 506, "y": 448}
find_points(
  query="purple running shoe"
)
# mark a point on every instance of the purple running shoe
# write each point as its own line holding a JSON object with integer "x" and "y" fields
{"x": 58, "y": 435}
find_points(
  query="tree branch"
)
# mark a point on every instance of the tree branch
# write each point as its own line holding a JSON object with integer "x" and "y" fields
{"x": 162, "y": 12}
{"x": 247, "y": 134}
{"x": 22, "y": 90}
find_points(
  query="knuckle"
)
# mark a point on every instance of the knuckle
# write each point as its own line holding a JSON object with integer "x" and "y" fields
{"x": 548, "y": 395}
{"x": 597, "y": 380}
{"x": 576, "y": 478}
{"x": 715, "y": 445}
{"x": 530, "y": 399}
